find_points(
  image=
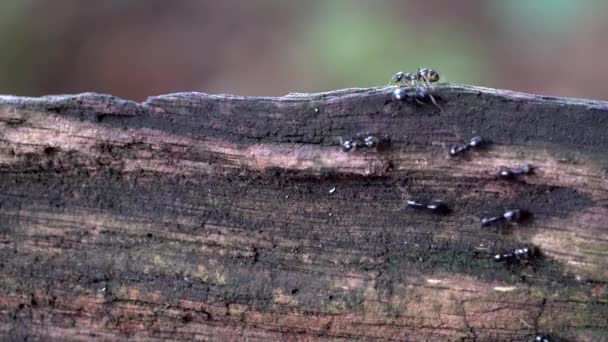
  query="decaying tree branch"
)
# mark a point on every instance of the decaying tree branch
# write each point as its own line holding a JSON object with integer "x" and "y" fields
{"x": 224, "y": 217}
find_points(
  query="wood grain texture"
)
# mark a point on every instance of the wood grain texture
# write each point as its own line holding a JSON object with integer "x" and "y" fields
{"x": 218, "y": 217}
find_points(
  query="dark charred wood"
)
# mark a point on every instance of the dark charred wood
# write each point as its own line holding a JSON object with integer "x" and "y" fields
{"x": 222, "y": 217}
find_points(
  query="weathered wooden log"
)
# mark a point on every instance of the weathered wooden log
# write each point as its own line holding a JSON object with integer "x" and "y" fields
{"x": 222, "y": 217}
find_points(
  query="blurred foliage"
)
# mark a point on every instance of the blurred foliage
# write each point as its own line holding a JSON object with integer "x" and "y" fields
{"x": 358, "y": 43}
{"x": 547, "y": 18}
{"x": 134, "y": 48}
{"x": 16, "y": 53}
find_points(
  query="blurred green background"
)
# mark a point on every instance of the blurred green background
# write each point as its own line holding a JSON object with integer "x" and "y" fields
{"x": 137, "y": 48}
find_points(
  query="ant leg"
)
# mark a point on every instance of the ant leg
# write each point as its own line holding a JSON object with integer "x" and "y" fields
{"x": 436, "y": 104}
{"x": 423, "y": 78}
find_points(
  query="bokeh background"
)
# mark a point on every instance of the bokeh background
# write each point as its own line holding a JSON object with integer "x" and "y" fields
{"x": 138, "y": 48}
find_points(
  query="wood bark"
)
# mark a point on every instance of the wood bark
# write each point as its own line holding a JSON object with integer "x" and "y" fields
{"x": 219, "y": 217}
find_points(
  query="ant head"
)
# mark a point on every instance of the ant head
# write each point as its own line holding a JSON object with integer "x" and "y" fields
{"x": 347, "y": 145}
{"x": 542, "y": 338}
{"x": 505, "y": 173}
{"x": 398, "y": 76}
{"x": 455, "y": 150}
{"x": 428, "y": 75}
{"x": 371, "y": 141}
{"x": 514, "y": 215}
{"x": 476, "y": 141}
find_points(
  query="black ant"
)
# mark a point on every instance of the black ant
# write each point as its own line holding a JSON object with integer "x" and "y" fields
{"x": 368, "y": 141}
{"x": 517, "y": 254}
{"x": 474, "y": 142}
{"x": 542, "y": 338}
{"x": 515, "y": 215}
{"x": 510, "y": 173}
{"x": 422, "y": 75}
{"x": 421, "y": 95}
{"x": 436, "y": 206}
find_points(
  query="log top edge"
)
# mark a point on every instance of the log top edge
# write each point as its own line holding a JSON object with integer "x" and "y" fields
{"x": 92, "y": 97}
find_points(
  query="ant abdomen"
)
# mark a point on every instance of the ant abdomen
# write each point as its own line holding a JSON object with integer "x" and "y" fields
{"x": 520, "y": 254}
{"x": 428, "y": 75}
{"x": 419, "y": 95}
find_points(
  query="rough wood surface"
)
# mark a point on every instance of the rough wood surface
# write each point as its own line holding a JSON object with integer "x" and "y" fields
{"x": 218, "y": 217}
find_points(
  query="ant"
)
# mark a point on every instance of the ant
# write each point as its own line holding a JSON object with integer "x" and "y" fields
{"x": 542, "y": 338}
{"x": 420, "y": 95}
{"x": 474, "y": 142}
{"x": 436, "y": 206}
{"x": 510, "y": 173}
{"x": 517, "y": 254}
{"x": 368, "y": 141}
{"x": 422, "y": 75}
{"x": 515, "y": 215}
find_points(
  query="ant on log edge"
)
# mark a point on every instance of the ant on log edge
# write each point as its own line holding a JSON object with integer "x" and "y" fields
{"x": 420, "y": 94}
{"x": 422, "y": 75}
